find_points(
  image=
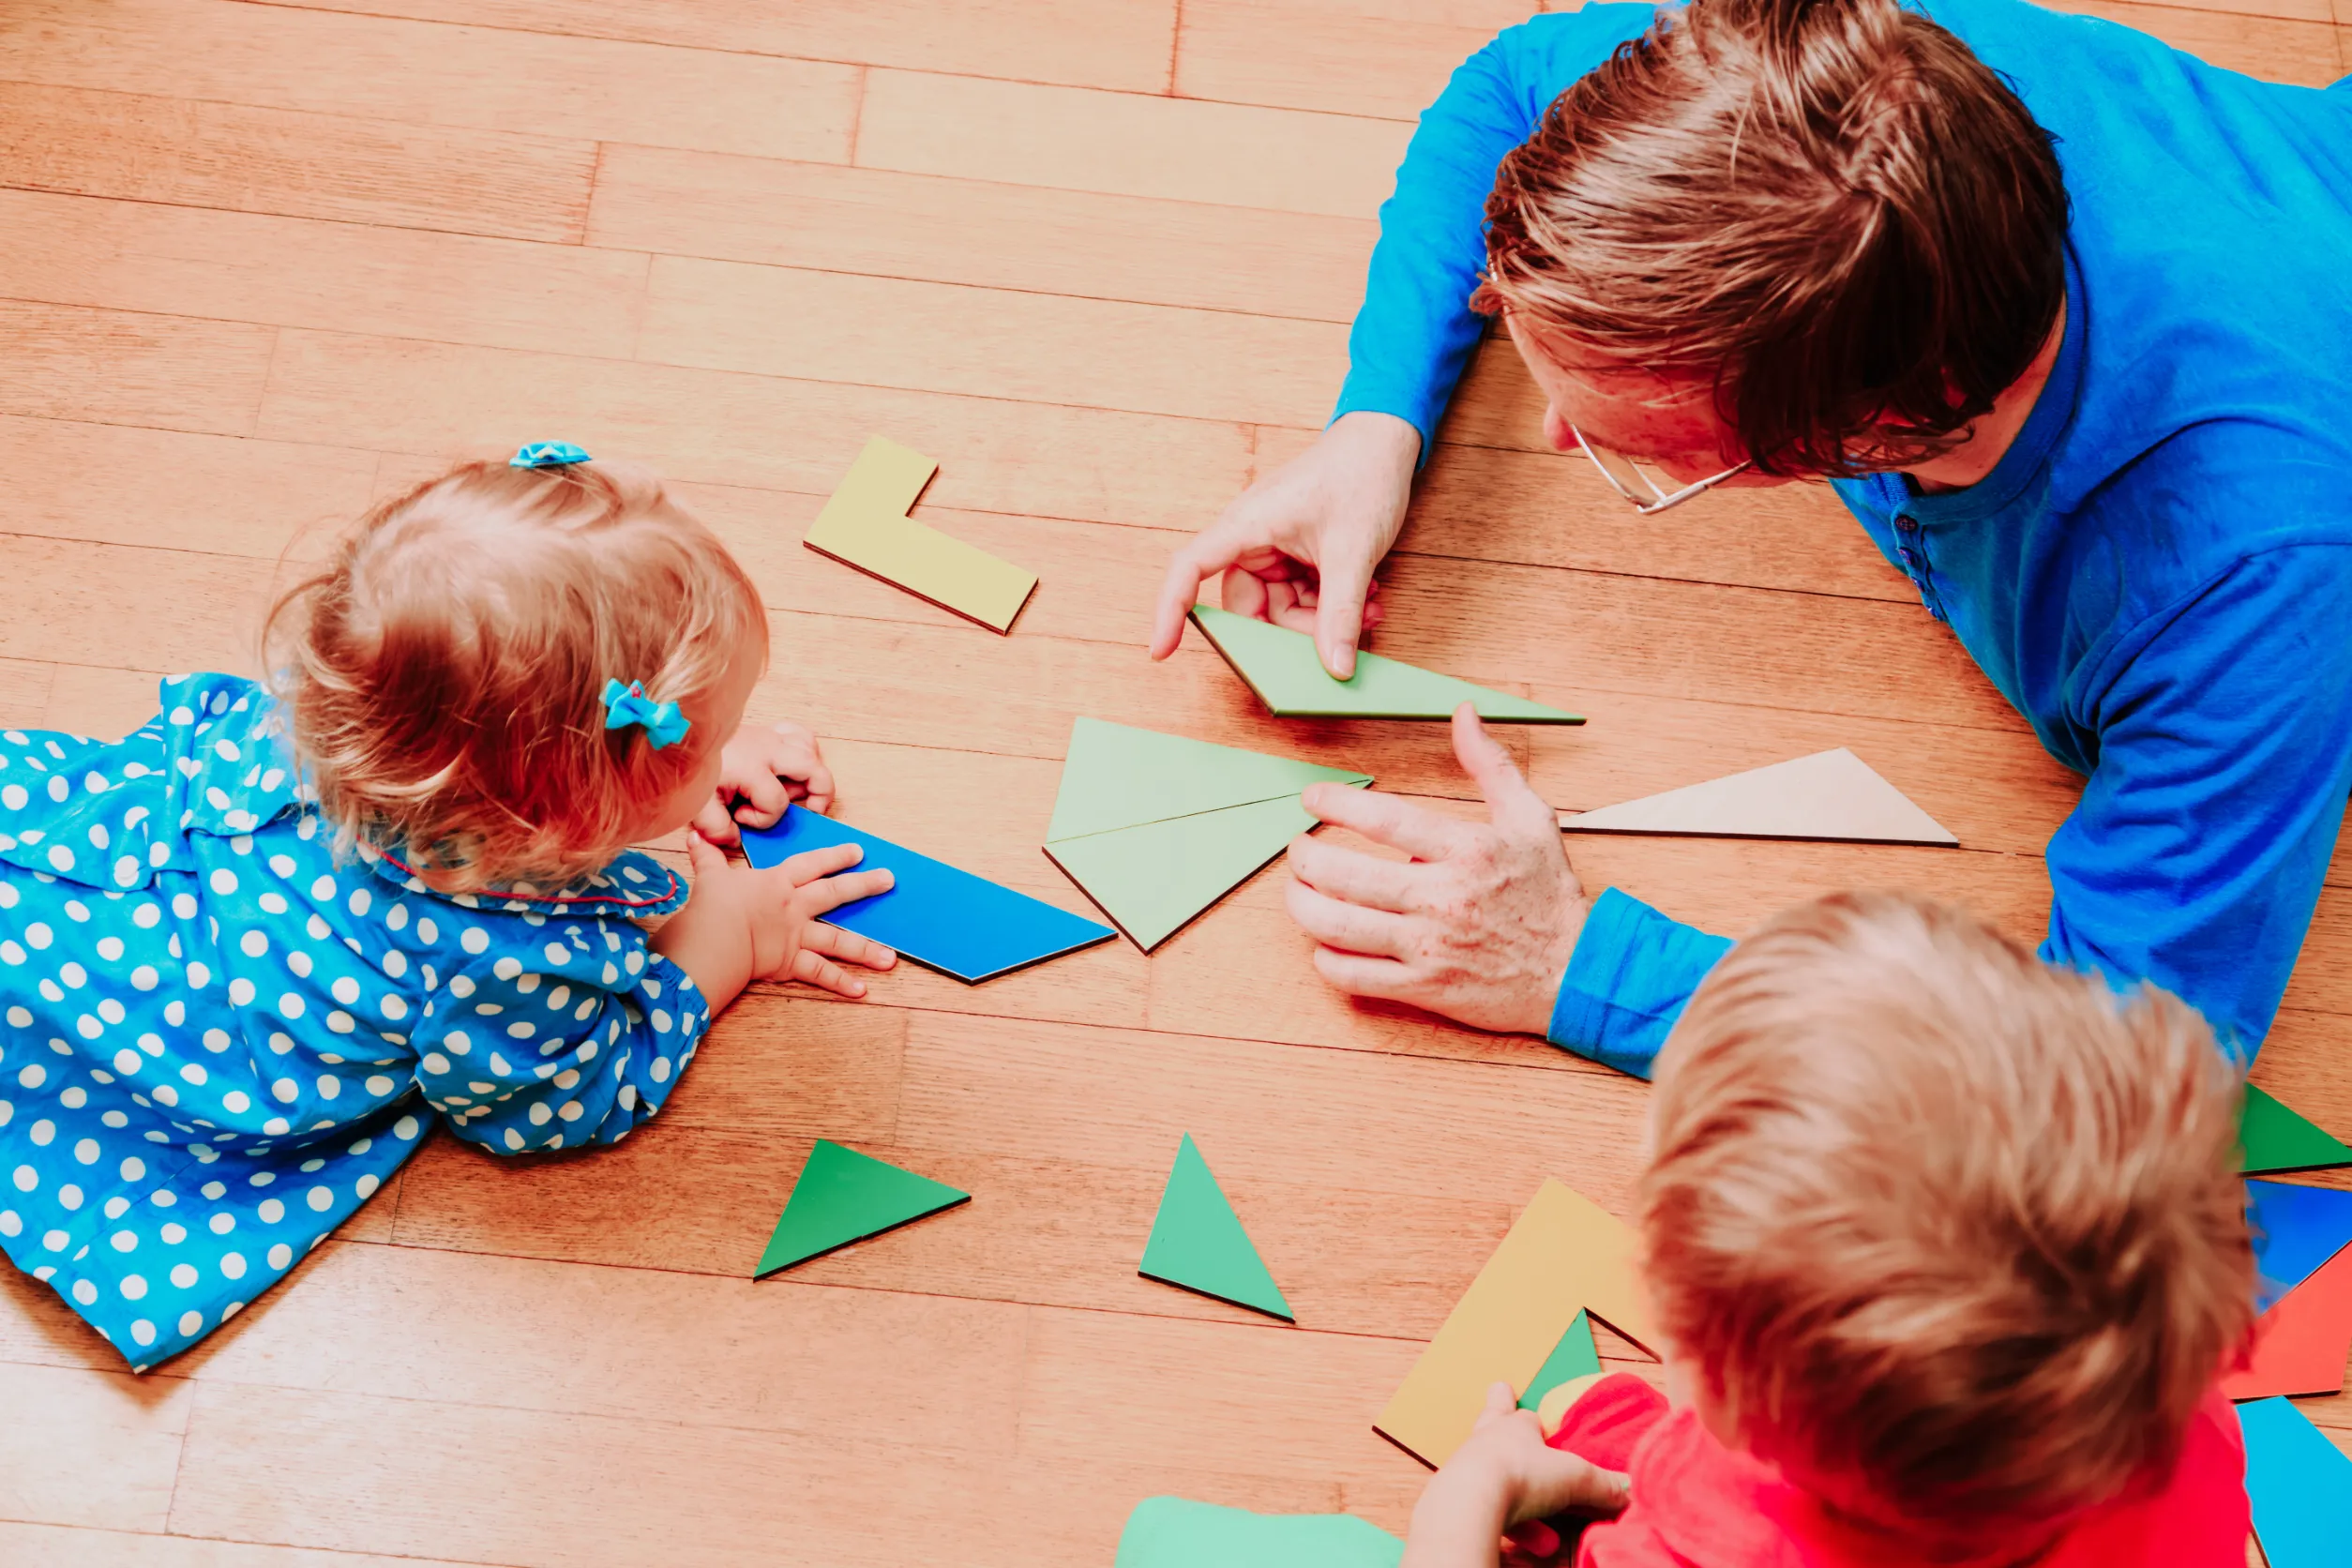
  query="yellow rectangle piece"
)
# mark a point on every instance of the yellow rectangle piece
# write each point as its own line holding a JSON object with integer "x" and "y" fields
{"x": 1564, "y": 1252}
{"x": 866, "y": 526}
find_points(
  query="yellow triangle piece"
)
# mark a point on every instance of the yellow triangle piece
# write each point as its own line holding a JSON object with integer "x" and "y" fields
{"x": 866, "y": 526}
{"x": 1829, "y": 794}
{"x": 1565, "y": 1253}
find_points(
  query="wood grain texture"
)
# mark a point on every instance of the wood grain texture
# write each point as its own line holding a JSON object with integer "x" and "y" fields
{"x": 102, "y": 1452}
{"x": 116, "y": 366}
{"x": 192, "y": 153}
{"x": 1335, "y": 58}
{"x": 483, "y": 79}
{"x": 50, "y": 1547}
{"x": 2296, "y": 50}
{"x": 1122, "y": 44}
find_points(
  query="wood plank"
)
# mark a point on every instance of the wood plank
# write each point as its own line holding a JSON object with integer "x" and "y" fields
{"x": 1071, "y": 139}
{"x": 90, "y": 699}
{"x": 752, "y": 430}
{"x": 50, "y": 1546}
{"x": 302, "y": 272}
{"x": 2299, "y": 51}
{"x": 102, "y": 1453}
{"x": 24, "y": 686}
{"x": 172, "y": 490}
{"x": 835, "y": 326}
{"x": 117, "y": 604}
{"x": 342, "y": 1471}
{"x": 1343, "y": 59}
{"x": 982, "y": 233}
{"x": 146, "y": 148}
{"x": 1087, "y": 43}
{"x": 423, "y": 73}
{"x": 116, "y": 366}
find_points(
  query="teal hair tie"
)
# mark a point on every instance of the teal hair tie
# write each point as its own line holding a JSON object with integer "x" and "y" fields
{"x": 625, "y": 705}
{"x": 547, "y": 454}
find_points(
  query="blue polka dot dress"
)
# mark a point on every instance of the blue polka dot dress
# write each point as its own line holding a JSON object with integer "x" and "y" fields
{"x": 220, "y": 1042}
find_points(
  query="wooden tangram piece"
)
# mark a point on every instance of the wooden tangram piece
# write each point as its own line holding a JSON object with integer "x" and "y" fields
{"x": 2277, "y": 1138}
{"x": 843, "y": 1197}
{"x": 1829, "y": 794}
{"x": 1282, "y": 667}
{"x": 1197, "y": 1242}
{"x": 2296, "y": 1229}
{"x": 1175, "y": 1533}
{"x": 1575, "y": 1356}
{"x": 2304, "y": 1341}
{"x": 866, "y": 526}
{"x": 2299, "y": 1484}
{"x": 1156, "y": 828}
{"x": 1565, "y": 1255}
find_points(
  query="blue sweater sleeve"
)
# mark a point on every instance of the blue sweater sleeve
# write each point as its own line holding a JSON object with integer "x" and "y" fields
{"x": 2196, "y": 856}
{"x": 1627, "y": 981}
{"x": 1415, "y": 330}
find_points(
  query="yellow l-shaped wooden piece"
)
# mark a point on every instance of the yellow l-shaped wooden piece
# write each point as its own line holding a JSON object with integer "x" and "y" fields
{"x": 866, "y": 526}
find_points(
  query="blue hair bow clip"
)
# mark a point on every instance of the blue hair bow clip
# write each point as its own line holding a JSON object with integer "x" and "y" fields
{"x": 628, "y": 705}
{"x": 547, "y": 454}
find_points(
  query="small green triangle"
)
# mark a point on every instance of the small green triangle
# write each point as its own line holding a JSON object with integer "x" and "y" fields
{"x": 1151, "y": 880}
{"x": 1117, "y": 775}
{"x": 1197, "y": 1242}
{"x": 1575, "y": 1356}
{"x": 2275, "y": 1138}
{"x": 1283, "y": 668}
{"x": 843, "y": 1197}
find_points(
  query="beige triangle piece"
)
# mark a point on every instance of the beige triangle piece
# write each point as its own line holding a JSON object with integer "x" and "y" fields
{"x": 1829, "y": 794}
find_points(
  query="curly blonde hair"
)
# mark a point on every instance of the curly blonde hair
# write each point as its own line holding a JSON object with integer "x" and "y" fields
{"x": 1929, "y": 1214}
{"x": 443, "y": 674}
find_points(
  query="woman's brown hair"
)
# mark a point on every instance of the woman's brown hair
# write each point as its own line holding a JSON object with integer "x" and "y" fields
{"x": 1829, "y": 210}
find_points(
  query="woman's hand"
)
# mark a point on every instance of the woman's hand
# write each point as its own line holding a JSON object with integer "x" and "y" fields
{"x": 744, "y": 925}
{"x": 761, "y": 770}
{"x": 1503, "y": 1475}
{"x": 1298, "y": 546}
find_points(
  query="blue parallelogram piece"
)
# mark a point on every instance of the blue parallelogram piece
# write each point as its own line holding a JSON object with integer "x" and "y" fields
{"x": 948, "y": 920}
{"x": 2296, "y": 1229}
{"x": 2299, "y": 1484}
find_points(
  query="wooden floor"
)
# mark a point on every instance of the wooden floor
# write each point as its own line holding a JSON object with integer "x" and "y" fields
{"x": 260, "y": 262}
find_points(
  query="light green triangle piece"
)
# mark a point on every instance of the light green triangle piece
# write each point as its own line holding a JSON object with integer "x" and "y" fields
{"x": 1176, "y": 1532}
{"x": 2276, "y": 1137}
{"x": 1283, "y": 668}
{"x": 1120, "y": 777}
{"x": 1151, "y": 880}
{"x": 1198, "y": 1241}
{"x": 843, "y": 1197}
{"x": 1575, "y": 1356}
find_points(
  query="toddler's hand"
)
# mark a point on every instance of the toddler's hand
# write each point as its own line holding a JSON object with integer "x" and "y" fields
{"x": 1503, "y": 1476}
{"x": 744, "y": 925}
{"x": 763, "y": 769}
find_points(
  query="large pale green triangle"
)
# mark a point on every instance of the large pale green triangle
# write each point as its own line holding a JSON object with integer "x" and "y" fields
{"x": 1198, "y": 1241}
{"x": 1118, "y": 776}
{"x": 2276, "y": 1137}
{"x": 843, "y": 1197}
{"x": 1575, "y": 1356}
{"x": 1283, "y": 668}
{"x": 1173, "y": 1532}
{"x": 1151, "y": 880}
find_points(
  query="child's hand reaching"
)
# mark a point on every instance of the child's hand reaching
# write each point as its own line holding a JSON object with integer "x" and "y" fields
{"x": 744, "y": 925}
{"x": 1501, "y": 1476}
{"x": 762, "y": 770}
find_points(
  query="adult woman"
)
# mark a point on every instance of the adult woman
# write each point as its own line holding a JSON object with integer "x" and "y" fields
{"x": 2087, "y": 395}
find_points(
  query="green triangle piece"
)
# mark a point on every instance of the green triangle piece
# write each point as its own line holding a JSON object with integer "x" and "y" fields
{"x": 1197, "y": 1242}
{"x": 1151, "y": 880}
{"x": 1575, "y": 1356}
{"x": 843, "y": 1197}
{"x": 1173, "y": 1532}
{"x": 1121, "y": 777}
{"x": 2275, "y": 1138}
{"x": 1283, "y": 668}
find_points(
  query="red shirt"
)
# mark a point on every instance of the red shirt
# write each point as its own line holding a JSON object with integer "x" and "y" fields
{"x": 1698, "y": 1504}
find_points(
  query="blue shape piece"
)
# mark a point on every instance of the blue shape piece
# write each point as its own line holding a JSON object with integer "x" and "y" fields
{"x": 2299, "y": 1484}
{"x": 946, "y": 919}
{"x": 548, "y": 454}
{"x": 2296, "y": 1229}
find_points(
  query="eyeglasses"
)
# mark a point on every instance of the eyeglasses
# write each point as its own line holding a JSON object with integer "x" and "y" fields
{"x": 1628, "y": 473}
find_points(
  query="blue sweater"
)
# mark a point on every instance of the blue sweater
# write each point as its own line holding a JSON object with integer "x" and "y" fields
{"x": 2159, "y": 573}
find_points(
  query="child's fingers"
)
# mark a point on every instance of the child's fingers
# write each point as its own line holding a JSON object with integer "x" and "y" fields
{"x": 705, "y": 858}
{"x": 826, "y": 894}
{"x": 764, "y": 798}
{"x": 712, "y": 823}
{"x": 810, "y": 865}
{"x": 819, "y": 971}
{"x": 847, "y": 946}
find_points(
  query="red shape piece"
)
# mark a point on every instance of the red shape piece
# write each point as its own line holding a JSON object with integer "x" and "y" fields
{"x": 2302, "y": 1343}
